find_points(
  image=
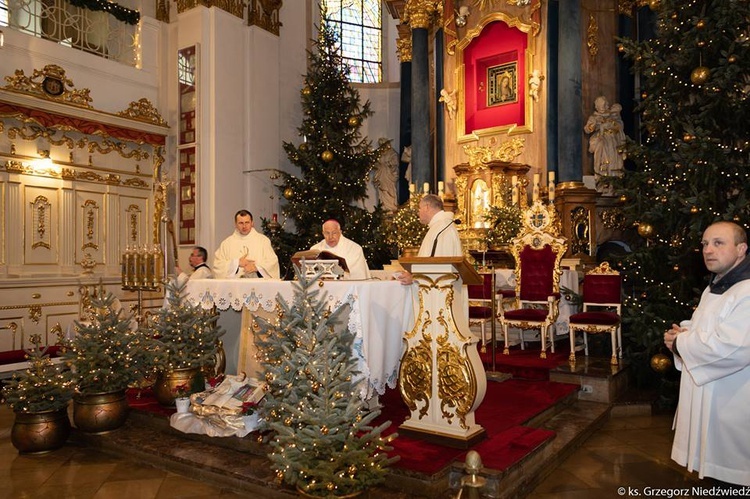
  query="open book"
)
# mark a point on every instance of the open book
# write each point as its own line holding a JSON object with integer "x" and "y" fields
{"x": 311, "y": 255}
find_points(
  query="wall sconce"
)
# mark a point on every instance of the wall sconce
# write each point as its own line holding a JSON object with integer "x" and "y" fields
{"x": 461, "y": 15}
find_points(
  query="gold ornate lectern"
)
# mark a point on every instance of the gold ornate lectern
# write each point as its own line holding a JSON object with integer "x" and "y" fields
{"x": 441, "y": 377}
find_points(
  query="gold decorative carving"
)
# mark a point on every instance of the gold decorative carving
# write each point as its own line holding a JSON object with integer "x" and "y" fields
{"x": 604, "y": 269}
{"x": 90, "y": 211}
{"x": 36, "y": 131}
{"x": 35, "y": 313}
{"x": 403, "y": 47}
{"x": 36, "y": 296}
{"x": 507, "y": 151}
{"x": 627, "y": 7}
{"x": 264, "y": 14}
{"x": 134, "y": 214}
{"x": 41, "y": 83}
{"x": 592, "y": 37}
{"x": 613, "y": 218}
{"x": 107, "y": 146}
{"x": 88, "y": 263}
{"x": 143, "y": 110}
{"x": 456, "y": 383}
{"x": 581, "y": 231}
{"x": 422, "y": 13}
{"x": 415, "y": 375}
{"x": 41, "y": 216}
{"x": 135, "y": 182}
{"x": 234, "y": 7}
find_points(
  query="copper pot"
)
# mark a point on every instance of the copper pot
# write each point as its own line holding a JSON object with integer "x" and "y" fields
{"x": 100, "y": 412}
{"x": 167, "y": 381}
{"x": 39, "y": 432}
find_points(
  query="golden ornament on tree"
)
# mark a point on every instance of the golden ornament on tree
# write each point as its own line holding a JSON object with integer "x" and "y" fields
{"x": 732, "y": 59}
{"x": 654, "y": 4}
{"x": 687, "y": 137}
{"x": 700, "y": 75}
{"x": 303, "y": 146}
{"x": 661, "y": 363}
{"x": 645, "y": 230}
{"x": 326, "y": 156}
{"x": 288, "y": 193}
{"x": 306, "y": 91}
{"x": 353, "y": 121}
{"x": 694, "y": 209}
{"x": 700, "y": 24}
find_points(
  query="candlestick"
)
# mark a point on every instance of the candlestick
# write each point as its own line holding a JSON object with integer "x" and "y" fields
{"x": 551, "y": 192}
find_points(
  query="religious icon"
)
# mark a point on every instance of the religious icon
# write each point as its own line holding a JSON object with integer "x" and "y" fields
{"x": 502, "y": 84}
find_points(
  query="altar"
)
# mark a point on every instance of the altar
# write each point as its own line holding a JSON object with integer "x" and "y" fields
{"x": 380, "y": 313}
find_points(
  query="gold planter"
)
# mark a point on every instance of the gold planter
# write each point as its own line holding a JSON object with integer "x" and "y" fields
{"x": 39, "y": 432}
{"x": 167, "y": 381}
{"x": 100, "y": 412}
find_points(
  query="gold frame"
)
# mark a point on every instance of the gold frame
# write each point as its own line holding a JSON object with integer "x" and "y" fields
{"x": 460, "y": 76}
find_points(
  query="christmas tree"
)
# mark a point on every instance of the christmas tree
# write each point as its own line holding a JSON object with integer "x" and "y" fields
{"x": 334, "y": 160}
{"x": 323, "y": 443}
{"x": 691, "y": 162}
{"x": 109, "y": 352}
{"x": 42, "y": 387}
{"x": 187, "y": 336}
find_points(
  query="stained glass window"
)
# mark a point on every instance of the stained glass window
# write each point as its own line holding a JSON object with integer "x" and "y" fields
{"x": 358, "y": 23}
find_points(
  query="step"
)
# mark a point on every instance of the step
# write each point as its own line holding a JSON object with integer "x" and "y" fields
{"x": 241, "y": 465}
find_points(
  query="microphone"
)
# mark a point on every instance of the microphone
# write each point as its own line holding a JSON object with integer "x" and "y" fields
{"x": 434, "y": 243}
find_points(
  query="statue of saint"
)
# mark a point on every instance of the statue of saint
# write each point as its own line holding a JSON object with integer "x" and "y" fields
{"x": 607, "y": 138}
{"x": 386, "y": 177}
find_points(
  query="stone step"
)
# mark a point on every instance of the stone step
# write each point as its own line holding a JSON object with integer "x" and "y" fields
{"x": 239, "y": 464}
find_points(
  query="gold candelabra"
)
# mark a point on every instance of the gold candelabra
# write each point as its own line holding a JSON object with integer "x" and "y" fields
{"x": 141, "y": 271}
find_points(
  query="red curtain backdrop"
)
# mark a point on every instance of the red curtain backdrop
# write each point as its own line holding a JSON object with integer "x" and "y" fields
{"x": 497, "y": 44}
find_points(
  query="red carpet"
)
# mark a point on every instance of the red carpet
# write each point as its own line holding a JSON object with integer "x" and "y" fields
{"x": 526, "y": 364}
{"x": 506, "y": 406}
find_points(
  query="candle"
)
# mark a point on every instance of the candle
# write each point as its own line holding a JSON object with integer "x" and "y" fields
{"x": 535, "y": 189}
{"x": 551, "y": 192}
{"x": 412, "y": 188}
{"x": 426, "y": 187}
{"x": 275, "y": 217}
{"x": 441, "y": 186}
{"x": 551, "y": 178}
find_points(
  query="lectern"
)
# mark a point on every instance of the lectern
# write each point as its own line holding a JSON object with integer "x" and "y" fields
{"x": 441, "y": 377}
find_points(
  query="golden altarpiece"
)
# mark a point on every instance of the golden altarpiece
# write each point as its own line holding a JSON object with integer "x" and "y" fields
{"x": 77, "y": 186}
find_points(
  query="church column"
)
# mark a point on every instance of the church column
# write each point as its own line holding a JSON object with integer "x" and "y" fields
{"x": 419, "y": 14}
{"x": 403, "y": 45}
{"x": 570, "y": 116}
{"x": 575, "y": 202}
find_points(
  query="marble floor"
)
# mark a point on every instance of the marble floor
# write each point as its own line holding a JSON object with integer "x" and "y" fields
{"x": 629, "y": 451}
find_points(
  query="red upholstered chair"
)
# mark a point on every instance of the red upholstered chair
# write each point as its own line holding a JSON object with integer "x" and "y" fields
{"x": 602, "y": 310}
{"x": 481, "y": 306}
{"x": 537, "y": 250}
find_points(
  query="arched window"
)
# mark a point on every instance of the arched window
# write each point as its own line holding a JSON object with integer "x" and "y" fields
{"x": 358, "y": 23}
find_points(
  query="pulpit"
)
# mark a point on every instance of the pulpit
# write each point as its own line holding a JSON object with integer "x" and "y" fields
{"x": 441, "y": 377}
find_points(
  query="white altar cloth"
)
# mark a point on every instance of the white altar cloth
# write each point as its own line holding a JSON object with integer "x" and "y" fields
{"x": 380, "y": 313}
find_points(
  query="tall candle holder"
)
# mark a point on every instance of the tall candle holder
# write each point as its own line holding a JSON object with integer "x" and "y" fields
{"x": 141, "y": 271}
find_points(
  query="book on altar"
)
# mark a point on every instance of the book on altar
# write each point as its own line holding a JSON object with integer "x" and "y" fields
{"x": 319, "y": 255}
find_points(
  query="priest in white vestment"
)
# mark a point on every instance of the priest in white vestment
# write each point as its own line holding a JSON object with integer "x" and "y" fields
{"x": 197, "y": 260}
{"x": 246, "y": 253}
{"x": 712, "y": 349}
{"x": 442, "y": 237}
{"x": 350, "y": 251}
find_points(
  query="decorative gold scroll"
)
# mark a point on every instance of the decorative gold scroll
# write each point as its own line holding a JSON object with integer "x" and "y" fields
{"x": 49, "y": 83}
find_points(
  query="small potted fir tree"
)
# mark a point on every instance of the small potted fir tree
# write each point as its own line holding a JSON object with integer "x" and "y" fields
{"x": 107, "y": 354}
{"x": 187, "y": 340}
{"x": 39, "y": 396}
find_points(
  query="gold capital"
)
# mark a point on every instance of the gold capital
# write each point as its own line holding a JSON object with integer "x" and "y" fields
{"x": 403, "y": 47}
{"x": 422, "y": 13}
